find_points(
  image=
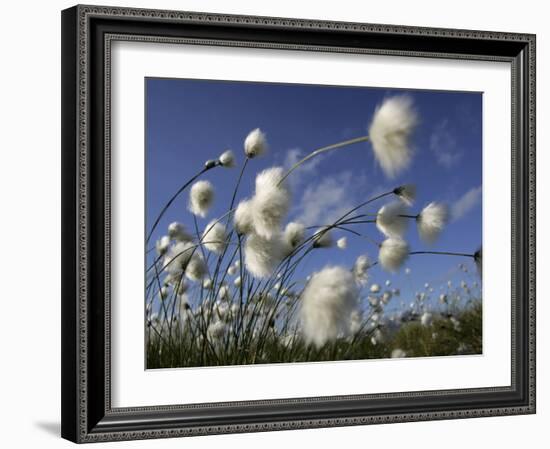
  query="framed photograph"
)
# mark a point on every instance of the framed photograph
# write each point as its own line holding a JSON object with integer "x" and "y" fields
{"x": 276, "y": 224}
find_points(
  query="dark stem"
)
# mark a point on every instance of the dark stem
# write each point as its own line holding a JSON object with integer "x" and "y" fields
{"x": 171, "y": 200}
{"x": 409, "y": 216}
{"x": 238, "y": 184}
{"x": 443, "y": 253}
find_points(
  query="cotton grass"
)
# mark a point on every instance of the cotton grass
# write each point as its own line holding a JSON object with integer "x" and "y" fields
{"x": 242, "y": 218}
{"x": 178, "y": 257}
{"x": 242, "y": 291}
{"x": 293, "y": 235}
{"x": 431, "y": 221}
{"x": 391, "y": 221}
{"x": 227, "y": 159}
{"x": 327, "y": 304}
{"x": 406, "y": 193}
{"x": 196, "y": 268}
{"x": 177, "y": 231}
{"x": 201, "y": 198}
{"x": 183, "y": 258}
{"x": 360, "y": 269}
{"x": 390, "y": 131}
{"x": 342, "y": 243}
{"x": 323, "y": 238}
{"x": 270, "y": 203}
{"x": 162, "y": 245}
{"x": 214, "y": 237}
{"x": 398, "y": 353}
{"x": 393, "y": 254}
{"x": 255, "y": 143}
{"x": 426, "y": 319}
{"x": 262, "y": 255}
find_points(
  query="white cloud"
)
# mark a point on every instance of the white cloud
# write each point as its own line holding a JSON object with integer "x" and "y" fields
{"x": 326, "y": 200}
{"x": 465, "y": 203}
{"x": 444, "y": 145}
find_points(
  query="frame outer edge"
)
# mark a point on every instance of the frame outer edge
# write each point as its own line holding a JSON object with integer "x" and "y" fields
{"x": 69, "y": 292}
{"x": 75, "y": 215}
{"x": 532, "y": 201}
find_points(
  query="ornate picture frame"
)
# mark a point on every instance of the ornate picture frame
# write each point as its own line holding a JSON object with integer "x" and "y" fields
{"x": 87, "y": 35}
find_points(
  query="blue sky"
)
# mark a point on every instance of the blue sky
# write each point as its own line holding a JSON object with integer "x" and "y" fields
{"x": 190, "y": 121}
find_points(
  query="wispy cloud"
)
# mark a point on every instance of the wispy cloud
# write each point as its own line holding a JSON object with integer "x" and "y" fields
{"x": 465, "y": 203}
{"x": 305, "y": 171}
{"x": 325, "y": 201}
{"x": 444, "y": 145}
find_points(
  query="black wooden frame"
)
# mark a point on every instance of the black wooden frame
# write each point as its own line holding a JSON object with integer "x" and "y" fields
{"x": 87, "y": 32}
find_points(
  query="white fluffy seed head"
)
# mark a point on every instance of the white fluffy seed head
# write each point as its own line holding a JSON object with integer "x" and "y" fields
{"x": 237, "y": 282}
{"x": 261, "y": 255}
{"x": 232, "y": 270}
{"x": 374, "y": 301}
{"x": 227, "y": 159}
{"x": 393, "y": 254}
{"x": 323, "y": 238}
{"x": 216, "y": 330}
{"x": 398, "y": 353}
{"x": 386, "y": 297}
{"x": 178, "y": 232}
{"x": 455, "y": 323}
{"x": 328, "y": 302}
{"x": 406, "y": 193}
{"x": 377, "y": 337}
{"x": 201, "y": 198}
{"x": 178, "y": 257}
{"x": 426, "y": 319}
{"x": 214, "y": 237}
{"x": 242, "y": 218}
{"x": 222, "y": 309}
{"x": 255, "y": 143}
{"x": 360, "y": 269}
{"x": 390, "y": 130}
{"x": 374, "y": 288}
{"x": 234, "y": 309}
{"x": 172, "y": 278}
{"x": 223, "y": 292}
{"x": 432, "y": 221}
{"x": 293, "y": 235}
{"x": 184, "y": 306}
{"x": 162, "y": 245}
{"x": 164, "y": 292}
{"x": 342, "y": 243}
{"x": 270, "y": 203}
{"x": 390, "y": 220}
{"x": 196, "y": 268}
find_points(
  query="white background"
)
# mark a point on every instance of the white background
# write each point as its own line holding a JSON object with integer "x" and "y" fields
{"x": 30, "y": 224}
{"x": 132, "y": 386}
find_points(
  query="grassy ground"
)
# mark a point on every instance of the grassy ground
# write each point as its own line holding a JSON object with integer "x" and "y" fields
{"x": 444, "y": 336}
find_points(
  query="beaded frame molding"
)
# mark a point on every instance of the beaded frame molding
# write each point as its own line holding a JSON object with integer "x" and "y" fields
{"x": 87, "y": 34}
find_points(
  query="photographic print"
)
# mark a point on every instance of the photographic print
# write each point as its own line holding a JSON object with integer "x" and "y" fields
{"x": 291, "y": 223}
